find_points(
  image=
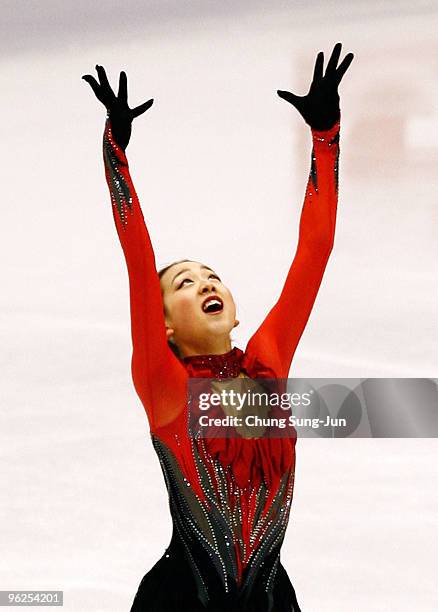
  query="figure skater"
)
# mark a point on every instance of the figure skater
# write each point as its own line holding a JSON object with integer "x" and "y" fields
{"x": 229, "y": 498}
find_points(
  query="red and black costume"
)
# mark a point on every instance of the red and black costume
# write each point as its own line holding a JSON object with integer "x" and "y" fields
{"x": 229, "y": 498}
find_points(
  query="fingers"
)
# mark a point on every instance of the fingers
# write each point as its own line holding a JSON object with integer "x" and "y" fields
{"x": 343, "y": 67}
{"x": 319, "y": 67}
{"x": 105, "y": 94}
{"x": 333, "y": 61}
{"x": 123, "y": 88}
{"x": 102, "y": 89}
{"x": 103, "y": 79}
{"x": 94, "y": 86}
{"x": 139, "y": 110}
{"x": 92, "y": 82}
{"x": 106, "y": 90}
{"x": 288, "y": 96}
{"x": 334, "y": 72}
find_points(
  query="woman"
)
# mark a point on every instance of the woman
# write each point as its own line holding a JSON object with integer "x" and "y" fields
{"x": 229, "y": 498}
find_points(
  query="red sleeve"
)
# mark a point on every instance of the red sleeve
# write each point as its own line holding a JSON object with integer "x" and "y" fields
{"x": 276, "y": 340}
{"x": 159, "y": 378}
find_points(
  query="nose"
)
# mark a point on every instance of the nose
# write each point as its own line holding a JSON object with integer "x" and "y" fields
{"x": 206, "y": 286}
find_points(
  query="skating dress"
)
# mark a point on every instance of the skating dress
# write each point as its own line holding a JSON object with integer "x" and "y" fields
{"x": 229, "y": 498}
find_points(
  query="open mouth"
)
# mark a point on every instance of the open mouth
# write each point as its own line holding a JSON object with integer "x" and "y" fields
{"x": 212, "y": 305}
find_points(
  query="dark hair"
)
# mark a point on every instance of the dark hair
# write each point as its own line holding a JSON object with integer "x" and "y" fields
{"x": 163, "y": 271}
{"x": 173, "y": 347}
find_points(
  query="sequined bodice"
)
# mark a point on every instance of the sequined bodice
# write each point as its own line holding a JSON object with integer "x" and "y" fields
{"x": 230, "y": 498}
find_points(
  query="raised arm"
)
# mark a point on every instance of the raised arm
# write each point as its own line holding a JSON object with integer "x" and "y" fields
{"x": 159, "y": 378}
{"x": 276, "y": 340}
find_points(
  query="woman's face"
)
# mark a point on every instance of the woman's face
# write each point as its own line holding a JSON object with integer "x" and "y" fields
{"x": 199, "y": 309}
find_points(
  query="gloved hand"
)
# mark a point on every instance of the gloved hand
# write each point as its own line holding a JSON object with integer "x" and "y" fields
{"x": 121, "y": 116}
{"x": 320, "y": 107}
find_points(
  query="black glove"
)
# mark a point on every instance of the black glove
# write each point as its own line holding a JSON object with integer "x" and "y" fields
{"x": 320, "y": 107}
{"x": 121, "y": 116}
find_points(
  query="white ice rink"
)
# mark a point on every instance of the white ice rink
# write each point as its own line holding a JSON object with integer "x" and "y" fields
{"x": 220, "y": 164}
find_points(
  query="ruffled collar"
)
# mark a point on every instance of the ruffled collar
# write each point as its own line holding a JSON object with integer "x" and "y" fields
{"x": 250, "y": 460}
{"x": 227, "y": 365}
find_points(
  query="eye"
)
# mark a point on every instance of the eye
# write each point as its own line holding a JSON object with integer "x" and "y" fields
{"x": 184, "y": 281}
{"x": 215, "y": 276}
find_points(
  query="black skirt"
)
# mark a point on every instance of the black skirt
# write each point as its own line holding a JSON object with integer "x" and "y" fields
{"x": 171, "y": 587}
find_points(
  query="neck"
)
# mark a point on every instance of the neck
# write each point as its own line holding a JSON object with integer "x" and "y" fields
{"x": 211, "y": 346}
